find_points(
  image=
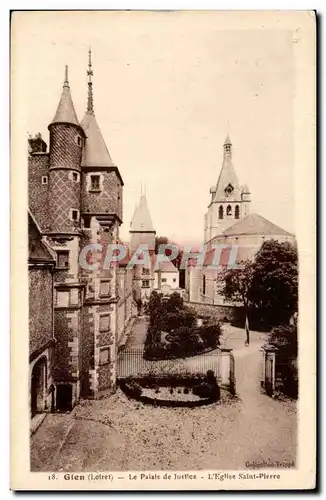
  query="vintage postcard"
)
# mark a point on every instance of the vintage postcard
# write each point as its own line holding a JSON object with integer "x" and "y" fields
{"x": 163, "y": 180}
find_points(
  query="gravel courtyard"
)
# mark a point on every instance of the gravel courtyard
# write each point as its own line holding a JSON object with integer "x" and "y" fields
{"x": 117, "y": 433}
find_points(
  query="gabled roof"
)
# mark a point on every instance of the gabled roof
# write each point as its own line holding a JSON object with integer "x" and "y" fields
{"x": 142, "y": 221}
{"x": 37, "y": 249}
{"x": 255, "y": 224}
{"x": 65, "y": 112}
{"x": 165, "y": 266}
{"x": 96, "y": 153}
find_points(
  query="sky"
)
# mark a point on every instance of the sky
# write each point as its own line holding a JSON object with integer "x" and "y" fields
{"x": 168, "y": 86}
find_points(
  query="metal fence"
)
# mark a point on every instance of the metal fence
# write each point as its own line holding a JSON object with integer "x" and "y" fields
{"x": 131, "y": 362}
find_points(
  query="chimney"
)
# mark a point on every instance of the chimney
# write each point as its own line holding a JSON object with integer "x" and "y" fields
{"x": 36, "y": 144}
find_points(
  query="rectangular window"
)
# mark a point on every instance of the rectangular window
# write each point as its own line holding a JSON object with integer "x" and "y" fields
{"x": 174, "y": 280}
{"x": 145, "y": 270}
{"x": 95, "y": 182}
{"x": 104, "y": 355}
{"x": 44, "y": 179}
{"x": 75, "y": 176}
{"x": 62, "y": 298}
{"x": 104, "y": 323}
{"x": 63, "y": 259}
{"x": 104, "y": 288}
{"x": 163, "y": 280}
{"x": 75, "y": 215}
{"x": 87, "y": 221}
{"x": 145, "y": 283}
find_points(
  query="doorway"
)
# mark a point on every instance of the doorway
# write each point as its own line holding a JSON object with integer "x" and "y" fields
{"x": 64, "y": 397}
{"x": 38, "y": 386}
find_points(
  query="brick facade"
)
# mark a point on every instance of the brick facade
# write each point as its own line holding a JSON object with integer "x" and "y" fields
{"x": 89, "y": 309}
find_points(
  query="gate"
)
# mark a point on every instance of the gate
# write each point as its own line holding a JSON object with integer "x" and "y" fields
{"x": 270, "y": 373}
{"x": 131, "y": 362}
{"x": 232, "y": 374}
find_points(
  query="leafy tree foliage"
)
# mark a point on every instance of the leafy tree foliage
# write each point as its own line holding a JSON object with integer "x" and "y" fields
{"x": 268, "y": 285}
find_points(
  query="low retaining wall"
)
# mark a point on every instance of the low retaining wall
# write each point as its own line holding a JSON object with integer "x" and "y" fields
{"x": 217, "y": 312}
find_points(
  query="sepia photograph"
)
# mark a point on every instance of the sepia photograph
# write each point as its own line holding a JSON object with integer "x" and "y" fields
{"x": 165, "y": 255}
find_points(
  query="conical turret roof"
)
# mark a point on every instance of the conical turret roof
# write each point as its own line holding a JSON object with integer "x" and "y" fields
{"x": 96, "y": 153}
{"x": 142, "y": 221}
{"x": 65, "y": 112}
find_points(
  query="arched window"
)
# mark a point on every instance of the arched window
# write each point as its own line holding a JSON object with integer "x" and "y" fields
{"x": 220, "y": 212}
{"x": 204, "y": 284}
{"x": 237, "y": 212}
{"x": 229, "y": 211}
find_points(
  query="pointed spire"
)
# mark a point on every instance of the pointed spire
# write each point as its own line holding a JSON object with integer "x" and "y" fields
{"x": 90, "y": 104}
{"x": 142, "y": 221}
{"x": 66, "y": 82}
{"x": 227, "y": 175}
{"x": 65, "y": 112}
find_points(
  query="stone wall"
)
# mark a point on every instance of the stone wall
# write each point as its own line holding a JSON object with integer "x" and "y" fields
{"x": 216, "y": 312}
{"x": 40, "y": 309}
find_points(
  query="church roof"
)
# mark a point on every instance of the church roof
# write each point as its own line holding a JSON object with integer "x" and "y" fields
{"x": 96, "y": 153}
{"x": 142, "y": 221}
{"x": 65, "y": 112}
{"x": 255, "y": 224}
{"x": 227, "y": 176}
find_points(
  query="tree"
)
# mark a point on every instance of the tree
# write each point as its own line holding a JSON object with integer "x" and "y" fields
{"x": 274, "y": 287}
{"x": 160, "y": 240}
{"x": 235, "y": 284}
{"x": 267, "y": 286}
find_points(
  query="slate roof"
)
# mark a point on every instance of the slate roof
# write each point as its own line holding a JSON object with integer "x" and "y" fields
{"x": 166, "y": 266}
{"x": 142, "y": 220}
{"x": 254, "y": 224}
{"x": 65, "y": 112}
{"x": 96, "y": 153}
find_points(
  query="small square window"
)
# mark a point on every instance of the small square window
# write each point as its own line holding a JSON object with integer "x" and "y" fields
{"x": 44, "y": 179}
{"x": 95, "y": 182}
{"x": 74, "y": 215}
{"x": 104, "y": 355}
{"x": 163, "y": 280}
{"x": 174, "y": 280}
{"x": 63, "y": 258}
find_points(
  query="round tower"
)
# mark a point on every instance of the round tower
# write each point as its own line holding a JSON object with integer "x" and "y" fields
{"x": 66, "y": 146}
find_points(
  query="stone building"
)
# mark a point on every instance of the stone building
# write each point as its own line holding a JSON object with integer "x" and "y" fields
{"x": 228, "y": 224}
{"x": 75, "y": 196}
{"x": 41, "y": 262}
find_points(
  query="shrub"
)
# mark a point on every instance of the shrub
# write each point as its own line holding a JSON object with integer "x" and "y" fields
{"x": 133, "y": 387}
